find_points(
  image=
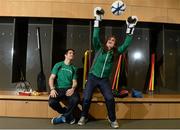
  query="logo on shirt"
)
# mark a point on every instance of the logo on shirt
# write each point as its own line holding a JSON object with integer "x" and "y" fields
{"x": 67, "y": 70}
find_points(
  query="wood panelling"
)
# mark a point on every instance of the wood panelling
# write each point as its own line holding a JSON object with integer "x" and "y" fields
{"x": 146, "y": 3}
{"x": 174, "y": 110}
{"x": 173, "y": 16}
{"x": 52, "y": 113}
{"x": 166, "y": 11}
{"x": 123, "y": 111}
{"x": 149, "y": 111}
{"x": 27, "y": 109}
{"x": 150, "y": 14}
{"x": 84, "y": 11}
{"x": 149, "y": 107}
{"x": 40, "y": 109}
{"x": 75, "y": 1}
{"x": 3, "y": 8}
{"x": 2, "y": 108}
{"x": 156, "y": 3}
{"x": 28, "y": 8}
{"x": 75, "y": 10}
{"x": 98, "y": 110}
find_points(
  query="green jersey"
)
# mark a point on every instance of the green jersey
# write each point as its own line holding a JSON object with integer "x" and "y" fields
{"x": 65, "y": 74}
{"x": 102, "y": 66}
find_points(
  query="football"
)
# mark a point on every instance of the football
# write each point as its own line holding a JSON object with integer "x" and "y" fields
{"x": 118, "y": 7}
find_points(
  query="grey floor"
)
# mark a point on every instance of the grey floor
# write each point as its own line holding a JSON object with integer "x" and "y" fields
{"x": 29, "y": 123}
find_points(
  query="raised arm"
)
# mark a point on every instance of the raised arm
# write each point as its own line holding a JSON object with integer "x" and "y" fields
{"x": 98, "y": 14}
{"x": 131, "y": 23}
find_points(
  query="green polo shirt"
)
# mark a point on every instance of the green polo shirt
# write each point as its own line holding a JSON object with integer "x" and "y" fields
{"x": 64, "y": 74}
{"x": 102, "y": 66}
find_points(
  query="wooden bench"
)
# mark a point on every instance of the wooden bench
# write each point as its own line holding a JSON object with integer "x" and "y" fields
{"x": 13, "y": 105}
{"x": 149, "y": 107}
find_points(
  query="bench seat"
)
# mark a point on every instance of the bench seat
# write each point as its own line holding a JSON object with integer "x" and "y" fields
{"x": 155, "y": 106}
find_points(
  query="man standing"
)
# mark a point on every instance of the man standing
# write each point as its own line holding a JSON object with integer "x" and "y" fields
{"x": 102, "y": 66}
{"x": 63, "y": 83}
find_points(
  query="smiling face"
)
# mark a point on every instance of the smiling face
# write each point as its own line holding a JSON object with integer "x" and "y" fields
{"x": 69, "y": 55}
{"x": 111, "y": 42}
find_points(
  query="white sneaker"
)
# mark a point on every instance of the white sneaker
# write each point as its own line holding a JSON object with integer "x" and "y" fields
{"x": 82, "y": 120}
{"x": 114, "y": 124}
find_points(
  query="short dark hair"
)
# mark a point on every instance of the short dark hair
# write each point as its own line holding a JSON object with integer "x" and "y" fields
{"x": 70, "y": 49}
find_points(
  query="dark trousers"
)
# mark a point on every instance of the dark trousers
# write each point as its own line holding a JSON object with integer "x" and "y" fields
{"x": 72, "y": 103}
{"x": 104, "y": 85}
